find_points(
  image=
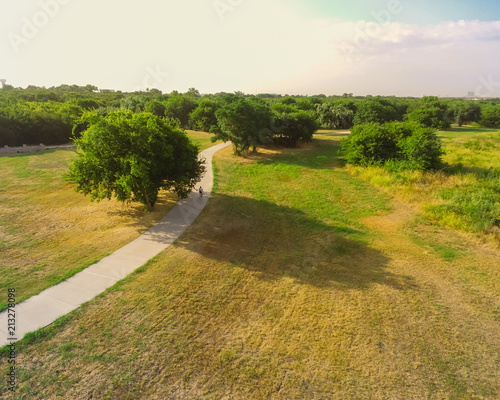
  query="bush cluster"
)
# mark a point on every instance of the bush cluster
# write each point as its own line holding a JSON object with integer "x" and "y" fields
{"x": 396, "y": 145}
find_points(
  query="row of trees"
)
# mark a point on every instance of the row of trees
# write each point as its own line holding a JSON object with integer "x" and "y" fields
{"x": 132, "y": 155}
{"x": 429, "y": 111}
{"x": 25, "y": 122}
{"x": 38, "y": 115}
{"x": 249, "y": 121}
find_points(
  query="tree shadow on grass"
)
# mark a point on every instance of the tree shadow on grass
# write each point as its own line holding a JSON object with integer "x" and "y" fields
{"x": 275, "y": 242}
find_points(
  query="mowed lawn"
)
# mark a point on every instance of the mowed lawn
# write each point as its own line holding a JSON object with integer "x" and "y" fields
{"x": 298, "y": 281}
{"x": 49, "y": 232}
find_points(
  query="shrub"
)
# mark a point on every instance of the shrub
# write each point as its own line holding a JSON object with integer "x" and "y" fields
{"x": 396, "y": 145}
{"x": 421, "y": 149}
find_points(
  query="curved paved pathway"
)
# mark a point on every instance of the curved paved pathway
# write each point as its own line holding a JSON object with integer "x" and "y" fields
{"x": 43, "y": 309}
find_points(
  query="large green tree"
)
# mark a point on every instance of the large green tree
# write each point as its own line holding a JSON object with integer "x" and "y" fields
{"x": 243, "y": 121}
{"x": 465, "y": 111}
{"x": 290, "y": 128}
{"x": 335, "y": 116}
{"x": 157, "y": 108}
{"x": 132, "y": 156}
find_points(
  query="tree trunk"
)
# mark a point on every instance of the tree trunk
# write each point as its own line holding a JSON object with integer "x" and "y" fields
{"x": 148, "y": 202}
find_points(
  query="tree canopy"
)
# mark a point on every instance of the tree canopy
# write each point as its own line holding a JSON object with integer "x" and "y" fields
{"x": 335, "y": 116}
{"x": 243, "y": 121}
{"x": 203, "y": 117}
{"x": 491, "y": 115}
{"x": 132, "y": 156}
{"x": 375, "y": 110}
{"x": 289, "y": 128}
{"x": 431, "y": 112}
{"x": 47, "y": 115}
{"x": 180, "y": 107}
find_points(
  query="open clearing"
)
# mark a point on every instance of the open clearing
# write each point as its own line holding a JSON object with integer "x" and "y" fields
{"x": 298, "y": 281}
{"x": 49, "y": 232}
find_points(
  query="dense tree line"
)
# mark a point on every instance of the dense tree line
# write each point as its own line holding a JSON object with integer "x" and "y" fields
{"x": 47, "y": 115}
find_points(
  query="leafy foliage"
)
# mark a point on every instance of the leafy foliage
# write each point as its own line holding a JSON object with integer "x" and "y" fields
{"x": 491, "y": 115}
{"x": 376, "y": 110}
{"x": 243, "y": 121}
{"x": 156, "y": 108}
{"x": 465, "y": 112}
{"x": 394, "y": 144}
{"x": 335, "y": 116}
{"x": 133, "y": 156}
{"x": 203, "y": 117}
{"x": 432, "y": 113}
{"x": 180, "y": 107}
{"x": 293, "y": 127}
{"x": 25, "y": 122}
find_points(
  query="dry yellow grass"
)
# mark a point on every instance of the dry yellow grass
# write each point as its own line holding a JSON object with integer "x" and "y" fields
{"x": 259, "y": 300}
{"x": 48, "y": 232}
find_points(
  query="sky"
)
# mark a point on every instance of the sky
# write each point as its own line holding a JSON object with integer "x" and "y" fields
{"x": 297, "y": 47}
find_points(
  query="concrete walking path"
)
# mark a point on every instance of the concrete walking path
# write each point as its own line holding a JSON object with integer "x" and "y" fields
{"x": 43, "y": 309}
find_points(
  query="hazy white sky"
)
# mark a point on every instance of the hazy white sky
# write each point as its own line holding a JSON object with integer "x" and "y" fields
{"x": 392, "y": 47}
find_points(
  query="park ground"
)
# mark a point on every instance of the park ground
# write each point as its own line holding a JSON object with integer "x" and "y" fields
{"x": 301, "y": 279}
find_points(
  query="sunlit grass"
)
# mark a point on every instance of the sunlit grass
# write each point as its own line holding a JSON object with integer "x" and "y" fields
{"x": 202, "y": 139}
{"x": 464, "y": 194}
{"x": 49, "y": 232}
{"x": 298, "y": 281}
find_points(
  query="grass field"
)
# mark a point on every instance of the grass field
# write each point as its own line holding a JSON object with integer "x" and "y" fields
{"x": 465, "y": 195}
{"x": 202, "y": 139}
{"x": 298, "y": 281}
{"x": 49, "y": 232}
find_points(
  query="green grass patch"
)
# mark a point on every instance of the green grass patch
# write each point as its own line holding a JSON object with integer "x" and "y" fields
{"x": 465, "y": 194}
{"x": 443, "y": 251}
{"x": 202, "y": 139}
